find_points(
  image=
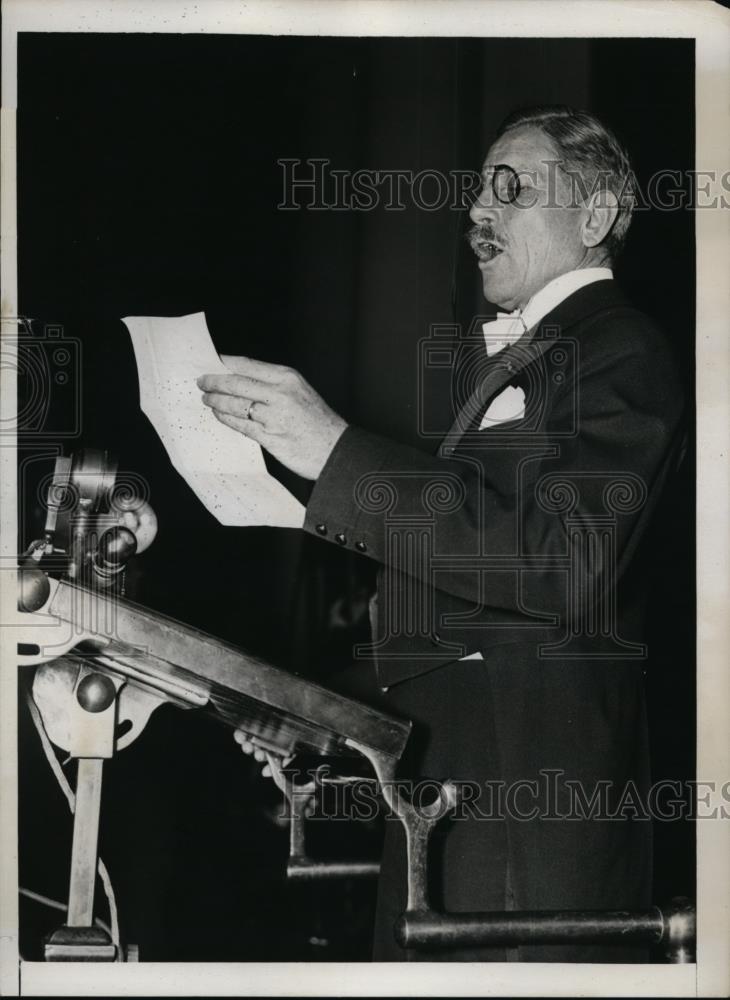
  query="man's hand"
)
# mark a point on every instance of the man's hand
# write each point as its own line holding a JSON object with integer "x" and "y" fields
{"x": 249, "y": 746}
{"x": 139, "y": 518}
{"x": 277, "y": 408}
{"x": 252, "y": 749}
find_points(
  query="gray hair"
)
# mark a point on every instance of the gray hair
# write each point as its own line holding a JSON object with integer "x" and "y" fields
{"x": 590, "y": 153}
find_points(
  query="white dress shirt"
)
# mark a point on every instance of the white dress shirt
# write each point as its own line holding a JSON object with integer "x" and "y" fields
{"x": 557, "y": 290}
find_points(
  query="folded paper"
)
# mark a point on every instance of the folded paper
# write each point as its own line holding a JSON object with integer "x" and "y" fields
{"x": 225, "y": 469}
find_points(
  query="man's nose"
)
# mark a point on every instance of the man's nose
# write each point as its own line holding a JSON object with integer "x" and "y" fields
{"x": 484, "y": 209}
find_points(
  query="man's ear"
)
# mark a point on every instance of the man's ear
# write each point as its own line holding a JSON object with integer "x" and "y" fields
{"x": 601, "y": 210}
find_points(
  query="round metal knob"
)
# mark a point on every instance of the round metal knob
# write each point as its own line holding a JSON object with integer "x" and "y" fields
{"x": 95, "y": 693}
{"x": 33, "y": 588}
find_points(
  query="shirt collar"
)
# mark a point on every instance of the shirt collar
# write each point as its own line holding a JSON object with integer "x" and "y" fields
{"x": 511, "y": 327}
{"x": 558, "y": 289}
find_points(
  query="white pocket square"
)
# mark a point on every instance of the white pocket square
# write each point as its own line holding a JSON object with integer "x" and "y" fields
{"x": 508, "y": 405}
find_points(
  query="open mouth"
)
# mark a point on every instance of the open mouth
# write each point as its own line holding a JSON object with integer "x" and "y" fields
{"x": 485, "y": 248}
{"x": 487, "y": 251}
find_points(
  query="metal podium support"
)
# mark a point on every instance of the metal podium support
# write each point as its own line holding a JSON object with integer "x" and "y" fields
{"x": 673, "y": 927}
{"x": 92, "y": 724}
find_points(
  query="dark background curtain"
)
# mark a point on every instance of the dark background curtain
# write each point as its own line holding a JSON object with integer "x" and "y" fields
{"x": 149, "y": 184}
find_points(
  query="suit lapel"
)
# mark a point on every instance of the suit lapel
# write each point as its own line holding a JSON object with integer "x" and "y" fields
{"x": 503, "y": 367}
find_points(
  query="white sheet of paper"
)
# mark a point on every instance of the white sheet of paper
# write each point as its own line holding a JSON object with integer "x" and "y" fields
{"x": 225, "y": 469}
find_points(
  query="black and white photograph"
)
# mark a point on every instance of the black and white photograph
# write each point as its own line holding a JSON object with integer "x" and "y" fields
{"x": 364, "y": 506}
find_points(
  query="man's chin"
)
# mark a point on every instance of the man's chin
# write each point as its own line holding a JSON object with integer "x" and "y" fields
{"x": 496, "y": 292}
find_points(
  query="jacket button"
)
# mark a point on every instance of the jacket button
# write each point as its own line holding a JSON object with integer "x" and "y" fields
{"x": 321, "y": 529}
{"x": 340, "y": 539}
{"x": 361, "y": 546}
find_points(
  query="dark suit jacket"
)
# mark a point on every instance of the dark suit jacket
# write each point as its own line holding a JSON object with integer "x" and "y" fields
{"x": 524, "y": 542}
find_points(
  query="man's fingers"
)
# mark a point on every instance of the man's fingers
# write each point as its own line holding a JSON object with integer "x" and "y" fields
{"x": 249, "y": 428}
{"x": 236, "y": 385}
{"x": 250, "y": 748}
{"x": 243, "y": 740}
{"x": 234, "y": 406}
{"x": 142, "y": 523}
{"x": 262, "y": 370}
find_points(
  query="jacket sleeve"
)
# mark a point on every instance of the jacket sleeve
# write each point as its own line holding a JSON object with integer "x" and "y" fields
{"x": 629, "y": 405}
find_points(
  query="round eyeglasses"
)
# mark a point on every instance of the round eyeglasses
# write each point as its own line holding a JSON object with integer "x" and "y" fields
{"x": 505, "y": 184}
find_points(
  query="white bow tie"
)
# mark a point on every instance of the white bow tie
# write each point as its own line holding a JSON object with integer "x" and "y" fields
{"x": 505, "y": 330}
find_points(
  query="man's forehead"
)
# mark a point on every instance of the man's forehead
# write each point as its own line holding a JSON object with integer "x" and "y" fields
{"x": 526, "y": 149}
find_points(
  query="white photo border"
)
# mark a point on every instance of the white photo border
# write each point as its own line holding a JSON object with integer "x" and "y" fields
{"x": 709, "y": 24}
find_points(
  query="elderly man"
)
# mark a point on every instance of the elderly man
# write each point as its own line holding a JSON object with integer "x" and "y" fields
{"x": 510, "y": 631}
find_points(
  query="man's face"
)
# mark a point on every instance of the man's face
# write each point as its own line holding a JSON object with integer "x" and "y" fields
{"x": 522, "y": 246}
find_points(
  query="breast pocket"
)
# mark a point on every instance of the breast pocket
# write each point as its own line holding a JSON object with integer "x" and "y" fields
{"x": 507, "y": 406}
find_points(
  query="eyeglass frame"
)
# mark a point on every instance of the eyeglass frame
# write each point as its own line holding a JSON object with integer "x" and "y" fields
{"x": 506, "y": 168}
